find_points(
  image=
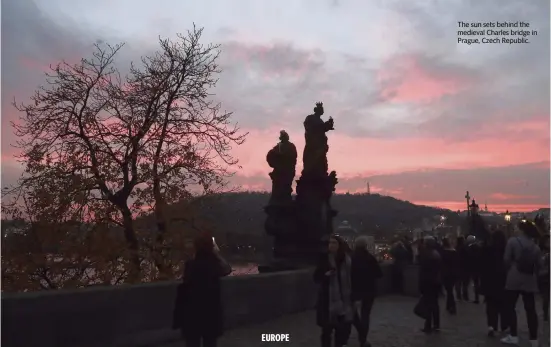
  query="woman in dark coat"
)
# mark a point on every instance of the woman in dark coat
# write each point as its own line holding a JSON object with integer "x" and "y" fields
{"x": 198, "y": 310}
{"x": 334, "y": 305}
{"x": 492, "y": 280}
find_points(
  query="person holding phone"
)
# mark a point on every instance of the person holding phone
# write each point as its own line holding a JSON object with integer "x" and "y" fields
{"x": 198, "y": 311}
{"x": 334, "y": 310}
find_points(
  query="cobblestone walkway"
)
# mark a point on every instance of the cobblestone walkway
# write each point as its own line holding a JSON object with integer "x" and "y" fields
{"x": 393, "y": 324}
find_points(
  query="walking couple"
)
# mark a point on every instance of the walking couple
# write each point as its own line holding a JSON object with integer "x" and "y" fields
{"x": 347, "y": 288}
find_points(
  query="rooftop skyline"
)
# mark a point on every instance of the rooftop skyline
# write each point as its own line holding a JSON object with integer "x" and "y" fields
{"x": 419, "y": 116}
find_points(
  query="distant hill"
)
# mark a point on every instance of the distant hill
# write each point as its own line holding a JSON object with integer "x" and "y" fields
{"x": 242, "y": 213}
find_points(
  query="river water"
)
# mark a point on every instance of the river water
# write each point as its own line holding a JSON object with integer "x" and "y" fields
{"x": 244, "y": 269}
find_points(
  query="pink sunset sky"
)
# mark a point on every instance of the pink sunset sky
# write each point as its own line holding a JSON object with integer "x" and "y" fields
{"x": 419, "y": 116}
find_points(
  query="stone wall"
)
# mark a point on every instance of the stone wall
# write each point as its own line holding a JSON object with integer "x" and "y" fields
{"x": 141, "y": 315}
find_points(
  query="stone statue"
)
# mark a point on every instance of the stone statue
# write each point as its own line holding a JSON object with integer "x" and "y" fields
{"x": 298, "y": 225}
{"x": 283, "y": 159}
{"x": 316, "y": 185}
{"x": 315, "y": 151}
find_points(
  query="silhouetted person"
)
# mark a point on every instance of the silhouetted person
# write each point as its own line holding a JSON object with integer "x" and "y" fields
{"x": 543, "y": 278}
{"x": 450, "y": 269}
{"x": 473, "y": 254}
{"x": 430, "y": 283}
{"x": 400, "y": 256}
{"x": 492, "y": 281}
{"x": 523, "y": 260}
{"x": 477, "y": 226}
{"x": 364, "y": 275}
{"x": 199, "y": 308}
{"x": 334, "y": 311}
{"x": 462, "y": 285}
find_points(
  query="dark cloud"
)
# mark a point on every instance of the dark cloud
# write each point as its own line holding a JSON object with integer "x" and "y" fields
{"x": 512, "y": 81}
{"x": 267, "y": 83}
{"x": 280, "y": 83}
{"x": 31, "y": 41}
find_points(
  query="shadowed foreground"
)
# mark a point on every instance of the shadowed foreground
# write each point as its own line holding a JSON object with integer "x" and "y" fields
{"x": 392, "y": 325}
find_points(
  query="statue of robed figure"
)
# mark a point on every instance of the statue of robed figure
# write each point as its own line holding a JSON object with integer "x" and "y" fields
{"x": 283, "y": 160}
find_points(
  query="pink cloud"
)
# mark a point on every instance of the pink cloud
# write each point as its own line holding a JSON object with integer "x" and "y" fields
{"x": 502, "y": 196}
{"x": 351, "y": 156}
{"x": 404, "y": 79}
{"x": 31, "y": 64}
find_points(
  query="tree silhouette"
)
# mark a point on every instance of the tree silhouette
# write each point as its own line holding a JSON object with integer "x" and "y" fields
{"x": 100, "y": 148}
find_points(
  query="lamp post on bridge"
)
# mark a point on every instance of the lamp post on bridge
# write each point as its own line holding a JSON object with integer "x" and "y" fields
{"x": 468, "y": 197}
{"x": 508, "y": 222}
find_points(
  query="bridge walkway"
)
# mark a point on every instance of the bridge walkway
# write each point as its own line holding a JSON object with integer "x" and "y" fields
{"x": 393, "y": 324}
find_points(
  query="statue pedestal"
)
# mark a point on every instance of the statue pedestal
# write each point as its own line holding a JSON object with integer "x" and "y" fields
{"x": 315, "y": 213}
{"x": 281, "y": 226}
{"x": 291, "y": 247}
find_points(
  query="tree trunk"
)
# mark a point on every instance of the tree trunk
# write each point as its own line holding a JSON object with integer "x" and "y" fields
{"x": 134, "y": 270}
{"x": 160, "y": 218}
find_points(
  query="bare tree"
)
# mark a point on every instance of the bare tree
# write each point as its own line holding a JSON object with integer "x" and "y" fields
{"x": 129, "y": 145}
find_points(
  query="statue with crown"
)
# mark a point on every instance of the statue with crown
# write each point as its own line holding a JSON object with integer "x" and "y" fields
{"x": 316, "y": 185}
{"x": 316, "y": 148}
{"x": 298, "y": 225}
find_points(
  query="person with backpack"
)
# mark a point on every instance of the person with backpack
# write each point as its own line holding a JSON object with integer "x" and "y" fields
{"x": 492, "y": 281}
{"x": 543, "y": 278}
{"x": 523, "y": 260}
